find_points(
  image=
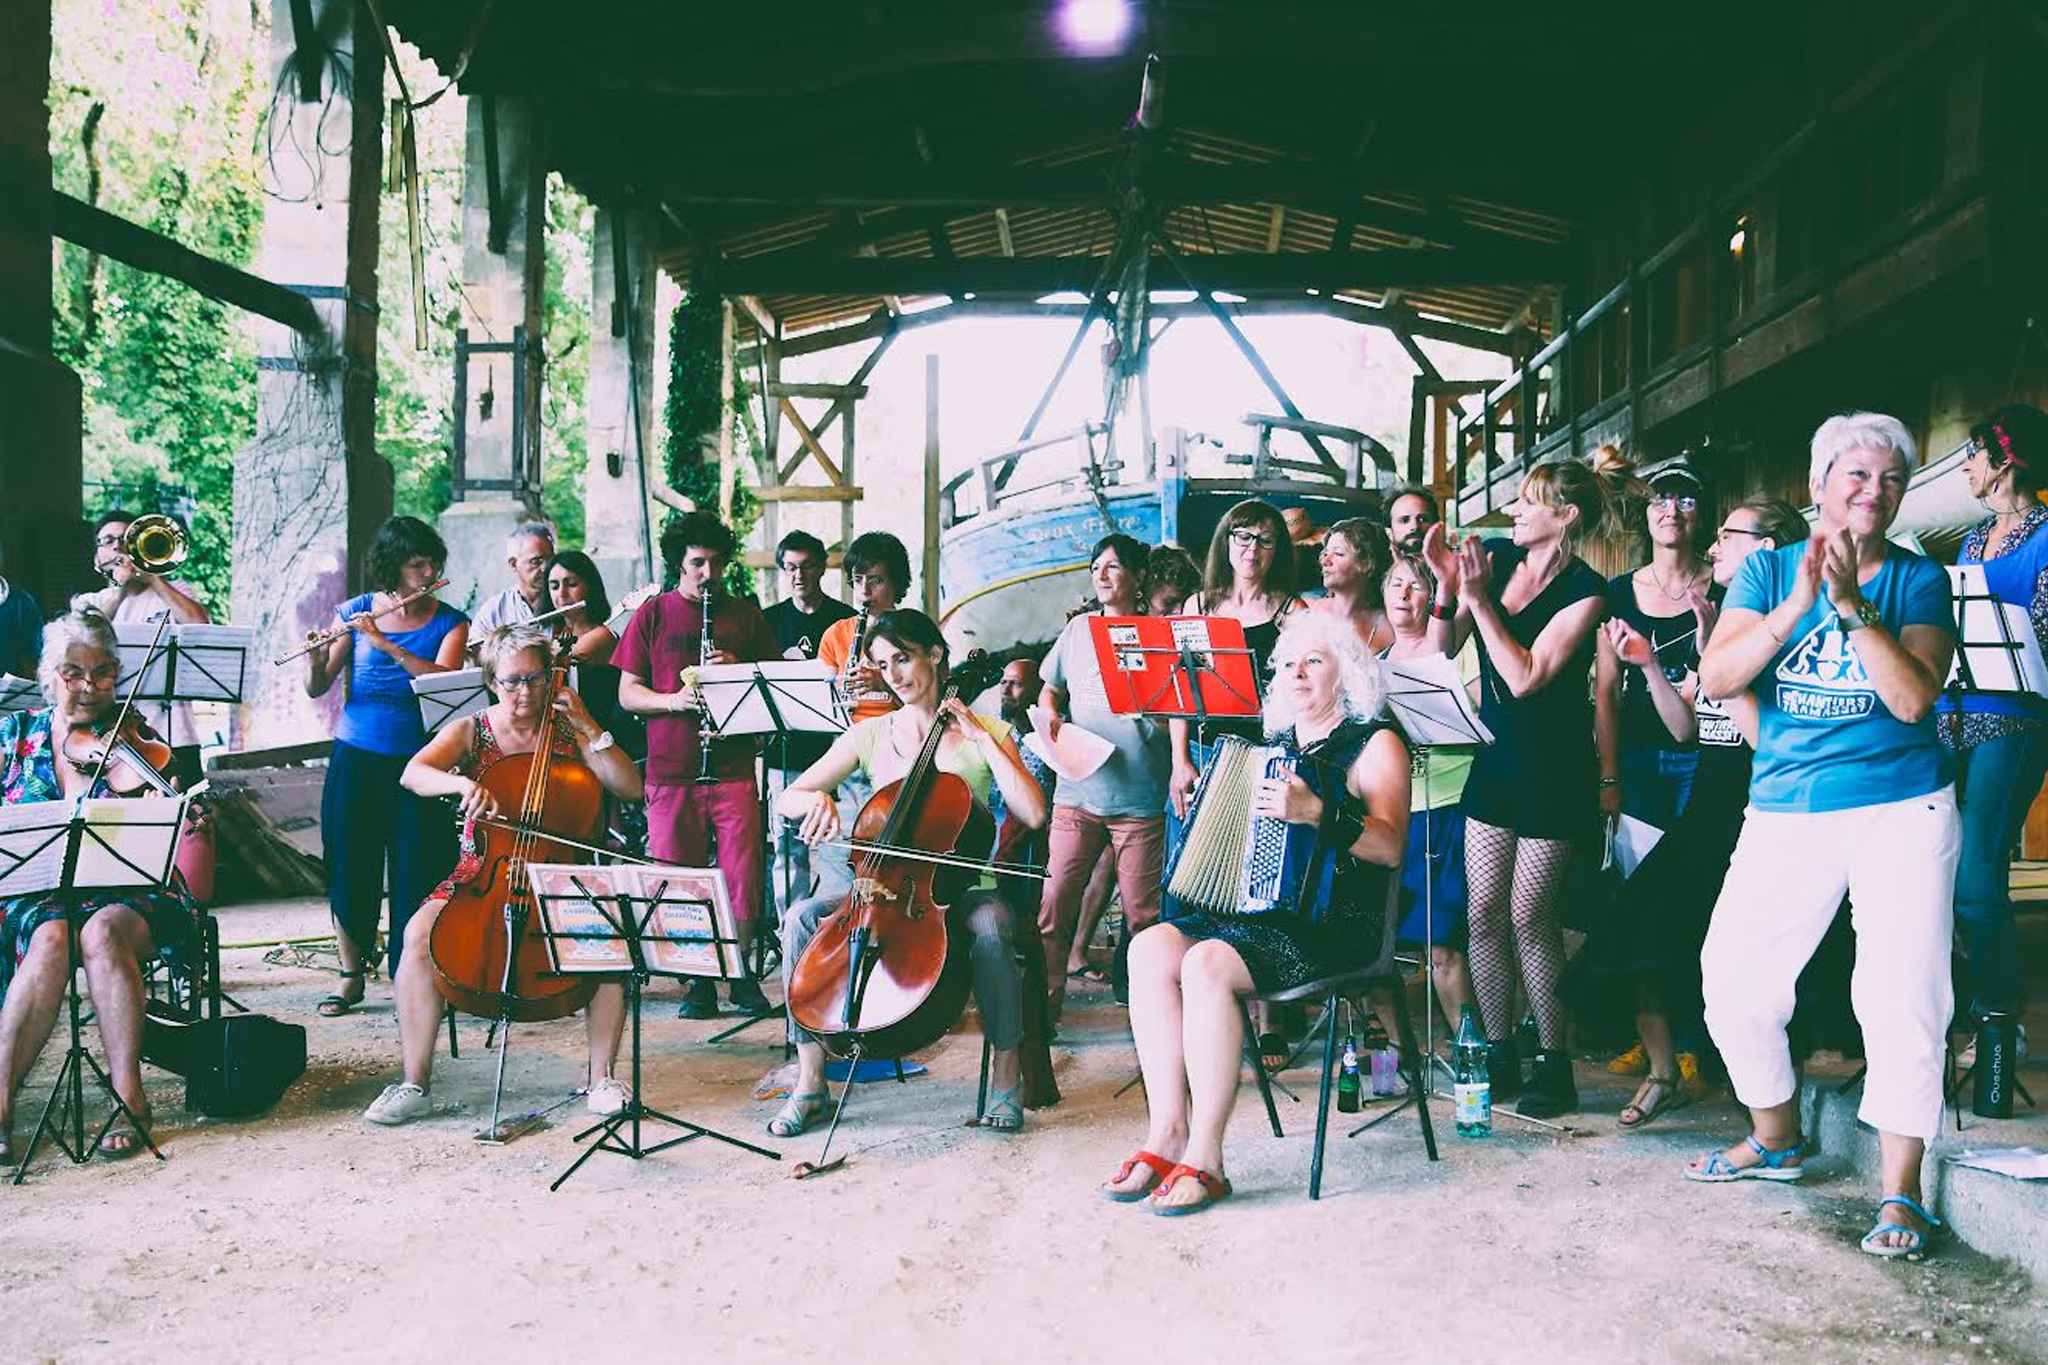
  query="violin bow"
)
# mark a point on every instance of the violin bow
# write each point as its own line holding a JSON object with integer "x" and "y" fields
{"x": 947, "y": 860}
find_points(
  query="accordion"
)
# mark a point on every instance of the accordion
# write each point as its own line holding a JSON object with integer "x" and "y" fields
{"x": 1230, "y": 861}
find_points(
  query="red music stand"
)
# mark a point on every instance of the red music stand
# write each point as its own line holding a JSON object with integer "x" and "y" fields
{"x": 1176, "y": 667}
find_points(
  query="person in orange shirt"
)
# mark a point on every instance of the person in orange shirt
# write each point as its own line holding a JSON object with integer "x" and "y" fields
{"x": 878, "y": 579}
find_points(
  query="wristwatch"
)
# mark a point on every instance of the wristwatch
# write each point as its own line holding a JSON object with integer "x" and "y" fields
{"x": 602, "y": 742}
{"x": 1866, "y": 615}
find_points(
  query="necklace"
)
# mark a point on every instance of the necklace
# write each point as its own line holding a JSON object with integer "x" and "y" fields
{"x": 1685, "y": 587}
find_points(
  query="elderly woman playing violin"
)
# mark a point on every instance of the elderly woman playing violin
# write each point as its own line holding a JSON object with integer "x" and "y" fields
{"x": 51, "y": 754}
{"x": 516, "y": 662}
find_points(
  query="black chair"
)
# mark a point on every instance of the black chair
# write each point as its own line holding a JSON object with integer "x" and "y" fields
{"x": 1385, "y": 971}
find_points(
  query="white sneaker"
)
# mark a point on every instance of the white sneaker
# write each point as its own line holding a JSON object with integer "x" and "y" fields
{"x": 401, "y": 1103}
{"x": 606, "y": 1098}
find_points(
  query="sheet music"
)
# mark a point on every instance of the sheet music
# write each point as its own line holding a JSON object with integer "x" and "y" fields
{"x": 447, "y": 697}
{"x": 198, "y": 661}
{"x": 800, "y": 690}
{"x": 1994, "y": 639}
{"x": 1077, "y": 754}
{"x": 1428, "y": 698}
{"x": 18, "y": 694}
{"x": 125, "y": 843}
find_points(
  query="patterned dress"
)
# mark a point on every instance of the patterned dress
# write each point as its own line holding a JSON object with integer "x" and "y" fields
{"x": 482, "y": 755}
{"x": 1346, "y": 922}
{"x": 28, "y": 773}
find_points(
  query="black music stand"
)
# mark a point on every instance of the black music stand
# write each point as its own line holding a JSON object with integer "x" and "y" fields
{"x": 1997, "y": 655}
{"x": 83, "y": 855}
{"x": 770, "y": 698}
{"x": 604, "y": 923}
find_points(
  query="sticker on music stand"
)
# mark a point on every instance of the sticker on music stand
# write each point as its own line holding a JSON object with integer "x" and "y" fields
{"x": 1124, "y": 637}
{"x": 582, "y": 935}
{"x": 1190, "y": 632}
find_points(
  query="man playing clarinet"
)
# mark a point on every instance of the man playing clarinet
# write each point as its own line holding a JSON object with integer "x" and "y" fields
{"x": 685, "y": 816}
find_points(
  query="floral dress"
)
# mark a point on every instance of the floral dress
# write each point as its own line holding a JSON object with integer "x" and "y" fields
{"x": 28, "y": 773}
{"x": 482, "y": 755}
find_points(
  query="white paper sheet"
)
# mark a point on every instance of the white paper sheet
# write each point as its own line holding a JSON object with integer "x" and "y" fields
{"x": 2021, "y": 1163}
{"x": 1428, "y": 698}
{"x": 1633, "y": 840}
{"x": 18, "y": 694}
{"x": 1077, "y": 754}
{"x": 738, "y": 699}
{"x": 447, "y": 697}
{"x": 127, "y": 843}
{"x": 197, "y": 661}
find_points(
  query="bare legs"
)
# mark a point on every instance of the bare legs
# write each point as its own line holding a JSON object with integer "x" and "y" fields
{"x": 112, "y": 944}
{"x": 420, "y": 1005}
{"x": 1190, "y": 1038}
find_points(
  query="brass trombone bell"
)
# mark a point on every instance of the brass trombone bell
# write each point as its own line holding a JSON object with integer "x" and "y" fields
{"x": 155, "y": 543}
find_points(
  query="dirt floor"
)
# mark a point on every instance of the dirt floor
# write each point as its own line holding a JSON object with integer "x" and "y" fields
{"x": 309, "y": 1236}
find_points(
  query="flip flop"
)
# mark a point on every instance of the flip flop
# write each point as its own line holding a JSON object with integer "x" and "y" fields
{"x": 1274, "y": 1051}
{"x": 334, "y": 1006}
{"x": 122, "y": 1133}
{"x": 1152, "y": 1161}
{"x": 1215, "y": 1189}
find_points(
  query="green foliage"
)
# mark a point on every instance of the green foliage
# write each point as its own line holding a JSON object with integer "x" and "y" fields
{"x": 695, "y": 331}
{"x": 153, "y": 119}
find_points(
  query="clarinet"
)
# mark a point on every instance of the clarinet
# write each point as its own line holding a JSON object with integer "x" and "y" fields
{"x": 704, "y": 773}
{"x": 846, "y": 677}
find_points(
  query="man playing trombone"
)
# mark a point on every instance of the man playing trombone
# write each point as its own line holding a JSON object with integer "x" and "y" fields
{"x": 134, "y": 593}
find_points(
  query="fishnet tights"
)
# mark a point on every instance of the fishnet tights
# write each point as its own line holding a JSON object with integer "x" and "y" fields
{"x": 1514, "y": 884}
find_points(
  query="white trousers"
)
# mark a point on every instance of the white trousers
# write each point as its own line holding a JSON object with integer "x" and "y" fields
{"x": 1897, "y": 864}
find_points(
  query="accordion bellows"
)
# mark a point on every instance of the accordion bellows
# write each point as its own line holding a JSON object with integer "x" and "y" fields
{"x": 1230, "y": 861}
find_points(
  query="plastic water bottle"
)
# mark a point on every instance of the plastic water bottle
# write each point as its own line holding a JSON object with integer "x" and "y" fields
{"x": 1472, "y": 1089}
{"x": 1386, "y": 1069}
{"x": 1347, "y": 1080}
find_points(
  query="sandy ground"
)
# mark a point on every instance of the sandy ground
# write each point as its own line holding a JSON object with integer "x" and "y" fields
{"x": 306, "y": 1235}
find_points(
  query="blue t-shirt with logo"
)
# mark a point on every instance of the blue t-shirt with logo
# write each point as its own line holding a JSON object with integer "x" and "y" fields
{"x": 1825, "y": 740}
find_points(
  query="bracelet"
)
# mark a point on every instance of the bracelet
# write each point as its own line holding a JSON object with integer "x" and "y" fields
{"x": 1443, "y": 611}
{"x": 1609, "y": 782}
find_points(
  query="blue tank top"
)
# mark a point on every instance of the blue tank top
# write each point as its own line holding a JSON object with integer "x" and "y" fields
{"x": 381, "y": 714}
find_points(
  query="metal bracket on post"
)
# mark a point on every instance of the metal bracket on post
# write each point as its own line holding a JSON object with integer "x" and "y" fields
{"x": 525, "y": 480}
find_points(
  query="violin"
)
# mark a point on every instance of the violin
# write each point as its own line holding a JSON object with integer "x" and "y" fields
{"x": 487, "y": 958}
{"x": 134, "y": 757}
{"x": 883, "y": 976}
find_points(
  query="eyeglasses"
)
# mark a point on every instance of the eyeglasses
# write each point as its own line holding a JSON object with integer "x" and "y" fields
{"x": 801, "y": 567}
{"x": 522, "y": 682}
{"x": 1684, "y": 502}
{"x": 1244, "y": 537}
{"x": 106, "y": 542}
{"x": 1727, "y": 531}
{"x": 106, "y": 675}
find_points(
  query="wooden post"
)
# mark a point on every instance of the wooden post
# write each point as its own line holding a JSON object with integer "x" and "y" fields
{"x": 931, "y": 486}
{"x": 726, "y": 473}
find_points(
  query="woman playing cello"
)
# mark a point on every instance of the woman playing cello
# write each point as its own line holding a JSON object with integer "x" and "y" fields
{"x": 516, "y": 663}
{"x": 911, "y": 655}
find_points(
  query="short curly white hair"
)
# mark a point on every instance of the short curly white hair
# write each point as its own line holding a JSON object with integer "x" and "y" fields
{"x": 1847, "y": 431}
{"x": 84, "y": 628}
{"x": 1360, "y": 686}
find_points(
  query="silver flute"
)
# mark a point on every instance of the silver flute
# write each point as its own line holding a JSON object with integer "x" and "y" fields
{"x": 852, "y": 669}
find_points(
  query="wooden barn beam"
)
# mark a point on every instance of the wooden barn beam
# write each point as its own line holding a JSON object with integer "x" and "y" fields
{"x": 97, "y": 230}
{"x": 1351, "y": 310}
{"x": 1014, "y": 187}
{"x": 809, "y": 273}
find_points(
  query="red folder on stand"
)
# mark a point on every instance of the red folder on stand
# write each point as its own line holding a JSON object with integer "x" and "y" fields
{"x": 1181, "y": 667}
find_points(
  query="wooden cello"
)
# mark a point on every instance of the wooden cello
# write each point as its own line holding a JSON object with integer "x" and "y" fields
{"x": 883, "y": 976}
{"x": 487, "y": 959}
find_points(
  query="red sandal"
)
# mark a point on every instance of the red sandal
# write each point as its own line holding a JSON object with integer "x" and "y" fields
{"x": 1215, "y": 1187}
{"x": 1159, "y": 1166}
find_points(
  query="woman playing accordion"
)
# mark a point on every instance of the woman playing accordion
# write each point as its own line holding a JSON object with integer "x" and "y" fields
{"x": 1305, "y": 900}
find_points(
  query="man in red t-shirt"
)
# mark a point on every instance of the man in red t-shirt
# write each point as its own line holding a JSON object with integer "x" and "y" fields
{"x": 661, "y": 641}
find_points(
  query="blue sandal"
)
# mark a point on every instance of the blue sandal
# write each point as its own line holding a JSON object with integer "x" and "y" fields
{"x": 1717, "y": 1169}
{"x": 1916, "y": 1245}
{"x": 1004, "y": 1114}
